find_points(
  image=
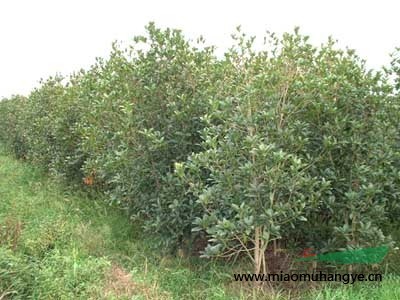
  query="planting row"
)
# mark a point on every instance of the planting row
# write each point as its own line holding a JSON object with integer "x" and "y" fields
{"x": 291, "y": 142}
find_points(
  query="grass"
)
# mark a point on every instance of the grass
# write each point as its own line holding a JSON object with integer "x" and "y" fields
{"x": 388, "y": 289}
{"x": 61, "y": 244}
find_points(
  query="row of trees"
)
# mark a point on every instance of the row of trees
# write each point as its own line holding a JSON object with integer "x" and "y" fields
{"x": 292, "y": 141}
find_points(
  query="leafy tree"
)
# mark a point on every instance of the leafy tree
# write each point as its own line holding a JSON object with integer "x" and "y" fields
{"x": 291, "y": 142}
{"x": 300, "y": 140}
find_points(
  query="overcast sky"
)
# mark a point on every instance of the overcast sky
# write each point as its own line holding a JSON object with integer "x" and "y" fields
{"x": 39, "y": 38}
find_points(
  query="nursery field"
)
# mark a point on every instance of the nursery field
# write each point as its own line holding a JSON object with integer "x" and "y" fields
{"x": 165, "y": 168}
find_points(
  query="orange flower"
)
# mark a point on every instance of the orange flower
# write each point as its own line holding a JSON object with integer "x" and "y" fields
{"x": 88, "y": 180}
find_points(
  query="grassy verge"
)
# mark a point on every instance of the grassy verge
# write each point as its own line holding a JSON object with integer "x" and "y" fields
{"x": 59, "y": 244}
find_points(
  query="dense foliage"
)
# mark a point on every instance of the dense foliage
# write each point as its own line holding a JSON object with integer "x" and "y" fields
{"x": 292, "y": 142}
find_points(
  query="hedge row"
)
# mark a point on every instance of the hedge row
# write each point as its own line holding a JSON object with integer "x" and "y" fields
{"x": 291, "y": 142}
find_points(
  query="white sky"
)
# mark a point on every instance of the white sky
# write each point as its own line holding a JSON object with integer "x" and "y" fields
{"x": 41, "y": 37}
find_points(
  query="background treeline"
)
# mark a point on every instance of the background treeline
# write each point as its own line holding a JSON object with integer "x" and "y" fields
{"x": 288, "y": 142}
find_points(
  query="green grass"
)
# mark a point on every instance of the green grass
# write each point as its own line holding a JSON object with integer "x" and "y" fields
{"x": 61, "y": 244}
{"x": 388, "y": 289}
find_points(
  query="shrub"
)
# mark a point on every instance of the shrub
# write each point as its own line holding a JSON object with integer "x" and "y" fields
{"x": 302, "y": 139}
{"x": 291, "y": 142}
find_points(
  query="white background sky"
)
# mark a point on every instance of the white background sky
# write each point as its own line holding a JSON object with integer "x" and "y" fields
{"x": 41, "y": 37}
